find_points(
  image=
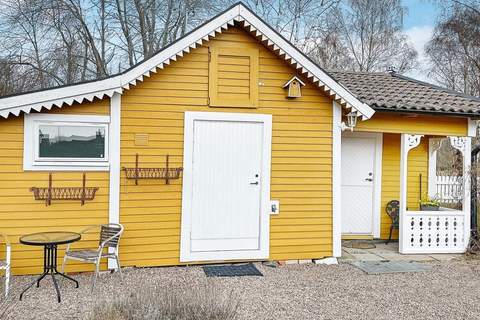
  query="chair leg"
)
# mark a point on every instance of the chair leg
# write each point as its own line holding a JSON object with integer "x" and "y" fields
{"x": 390, "y": 234}
{"x": 64, "y": 263}
{"x": 119, "y": 269}
{"x": 95, "y": 275}
{"x": 7, "y": 280}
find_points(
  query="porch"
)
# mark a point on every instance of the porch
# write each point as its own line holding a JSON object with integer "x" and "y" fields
{"x": 448, "y": 229}
{"x": 380, "y": 167}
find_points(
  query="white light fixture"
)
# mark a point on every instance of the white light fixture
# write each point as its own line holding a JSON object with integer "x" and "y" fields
{"x": 351, "y": 121}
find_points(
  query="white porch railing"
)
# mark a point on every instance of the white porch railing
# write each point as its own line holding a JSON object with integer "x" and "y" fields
{"x": 449, "y": 189}
{"x": 433, "y": 231}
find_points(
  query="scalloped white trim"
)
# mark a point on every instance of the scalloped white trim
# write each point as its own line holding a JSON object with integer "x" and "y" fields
{"x": 116, "y": 84}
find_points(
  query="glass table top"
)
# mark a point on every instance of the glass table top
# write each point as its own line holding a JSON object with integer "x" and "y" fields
{"x": 54, "y": 237}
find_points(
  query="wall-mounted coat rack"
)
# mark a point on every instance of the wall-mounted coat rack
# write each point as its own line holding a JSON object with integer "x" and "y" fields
{"x": 50, "y": 193}
{"x": 166, "y": 173}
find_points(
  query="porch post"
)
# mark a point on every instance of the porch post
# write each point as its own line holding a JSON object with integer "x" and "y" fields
{"x": 407, "y": 142}
{"x": 464, "y": 145}
{"x": 114, "y": 191}
{"x": 434, "y": 145}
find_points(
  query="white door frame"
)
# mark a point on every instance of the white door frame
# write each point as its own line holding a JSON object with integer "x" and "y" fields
{"x": 185, "y": 253}
{"x": 377, "y": 177}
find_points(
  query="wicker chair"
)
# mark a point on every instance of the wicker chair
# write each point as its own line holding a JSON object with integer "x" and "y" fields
{"x": 393, "y": 211}
{"x": 108, "y": 248}
{"x": 5, "y": 264}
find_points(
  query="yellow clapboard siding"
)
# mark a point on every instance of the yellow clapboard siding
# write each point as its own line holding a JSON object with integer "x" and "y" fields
{"x": 20, "y": 214}
{"x": 301, "y": 156}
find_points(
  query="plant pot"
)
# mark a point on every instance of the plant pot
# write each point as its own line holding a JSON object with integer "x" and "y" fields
{"x": 428, "y": 207}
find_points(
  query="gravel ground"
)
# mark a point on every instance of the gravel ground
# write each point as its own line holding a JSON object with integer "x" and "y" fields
{"x": 449, "y": 291}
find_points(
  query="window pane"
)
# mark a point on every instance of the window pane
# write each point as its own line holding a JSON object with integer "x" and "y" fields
{"x": 62, "y": 141}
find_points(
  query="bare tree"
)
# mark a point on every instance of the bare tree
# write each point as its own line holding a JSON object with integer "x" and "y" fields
{"x": 454, "y": 50}
{"x": 372, "y": 37}
{"x": 51, "y": 42}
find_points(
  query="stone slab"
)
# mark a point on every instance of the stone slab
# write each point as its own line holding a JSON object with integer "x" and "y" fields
{"x": 406, "y": 257}
{"x": 380, "y": 267}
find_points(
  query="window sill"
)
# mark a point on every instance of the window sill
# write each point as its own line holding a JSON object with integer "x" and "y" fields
{"x": 79, "y": 167}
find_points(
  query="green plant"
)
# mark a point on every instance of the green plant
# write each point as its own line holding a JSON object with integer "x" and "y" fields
{"x": 427, "y": 201}
{"x": 172, "y": 302}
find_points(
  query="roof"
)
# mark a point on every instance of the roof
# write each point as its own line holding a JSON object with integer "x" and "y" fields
{"x": 238, "y": 14}
{"x": 294, "y": 78}
{"x": 389, "y": 91}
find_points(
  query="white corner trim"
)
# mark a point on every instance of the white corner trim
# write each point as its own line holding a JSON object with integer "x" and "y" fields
{"x": 472, "y": 128}
{"x": 30, "y": 143}
{"x": 116, "y": 84}
{"x": 114, "y": 185}
{"x": 186, "y": 255}
{"x": 377, "y": 178}
{"x": 336, "y": 180}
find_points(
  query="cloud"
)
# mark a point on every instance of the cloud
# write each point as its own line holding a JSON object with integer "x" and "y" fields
{"x": 418, "y": 37}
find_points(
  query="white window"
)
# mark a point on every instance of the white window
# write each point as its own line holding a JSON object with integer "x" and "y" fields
{"x": 66, "y": 142}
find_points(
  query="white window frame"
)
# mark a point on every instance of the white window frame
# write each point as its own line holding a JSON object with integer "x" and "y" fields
{"x": 31, "y": 161}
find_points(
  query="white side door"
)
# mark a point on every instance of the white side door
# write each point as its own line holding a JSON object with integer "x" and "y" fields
{"x": 358, "y": 176}
{"x": 226, "y": 178}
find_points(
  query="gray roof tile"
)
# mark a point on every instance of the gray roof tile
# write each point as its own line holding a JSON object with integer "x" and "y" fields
{"x": 394, "y": 92}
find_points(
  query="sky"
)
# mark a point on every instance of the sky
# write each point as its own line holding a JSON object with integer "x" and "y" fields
{"x": 418, "y": 25}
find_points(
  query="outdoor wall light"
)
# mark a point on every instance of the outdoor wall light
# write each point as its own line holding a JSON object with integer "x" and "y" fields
{"x": 351, "y": 121}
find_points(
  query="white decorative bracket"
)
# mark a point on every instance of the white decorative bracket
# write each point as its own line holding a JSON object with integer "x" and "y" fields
{"x": 459, "y": 143}
{"x": 413, "y": 140}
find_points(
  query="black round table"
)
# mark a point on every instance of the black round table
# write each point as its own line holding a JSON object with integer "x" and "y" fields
{"x": 50, "y": 241}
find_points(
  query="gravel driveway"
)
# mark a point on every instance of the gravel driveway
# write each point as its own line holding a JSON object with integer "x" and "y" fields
{"x": 449, "y": 291}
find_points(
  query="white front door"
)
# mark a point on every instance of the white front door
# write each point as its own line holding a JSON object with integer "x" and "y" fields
{"x": 226, "y": 175}
{"x": 358, "y": 176}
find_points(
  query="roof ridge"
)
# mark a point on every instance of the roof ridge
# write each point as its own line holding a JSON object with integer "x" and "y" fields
{"x": 437, "y": 87}
{"x": 357, "y": 72}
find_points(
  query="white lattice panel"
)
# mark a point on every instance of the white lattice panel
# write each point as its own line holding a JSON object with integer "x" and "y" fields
{"x": 433, "y": 232}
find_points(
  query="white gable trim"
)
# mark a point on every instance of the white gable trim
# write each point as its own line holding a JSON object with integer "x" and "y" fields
{"x": 107, "y": 87}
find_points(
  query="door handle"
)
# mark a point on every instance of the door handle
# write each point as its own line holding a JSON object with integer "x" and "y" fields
{"x": 369, "y": 179}
{"x": 254, "y": 182}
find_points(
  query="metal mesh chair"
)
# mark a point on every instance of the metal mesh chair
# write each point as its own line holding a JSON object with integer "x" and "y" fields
{"x": 108, "y": 248}
{"x": 5, "y": 264}
{"x": 393, "y": 211}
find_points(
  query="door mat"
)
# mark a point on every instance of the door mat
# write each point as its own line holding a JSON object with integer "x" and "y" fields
{"x": 238, "y": 270}
{"x": 355, "y": 244}
{"x": 379, "y": 267}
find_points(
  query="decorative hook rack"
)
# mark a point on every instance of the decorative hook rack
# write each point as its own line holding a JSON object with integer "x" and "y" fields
{"x": 165, "y": 173}
{"x": 50, "y": 193}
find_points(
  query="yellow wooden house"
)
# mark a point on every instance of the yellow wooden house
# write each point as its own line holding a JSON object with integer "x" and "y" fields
{"x": 255, "y": 175}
